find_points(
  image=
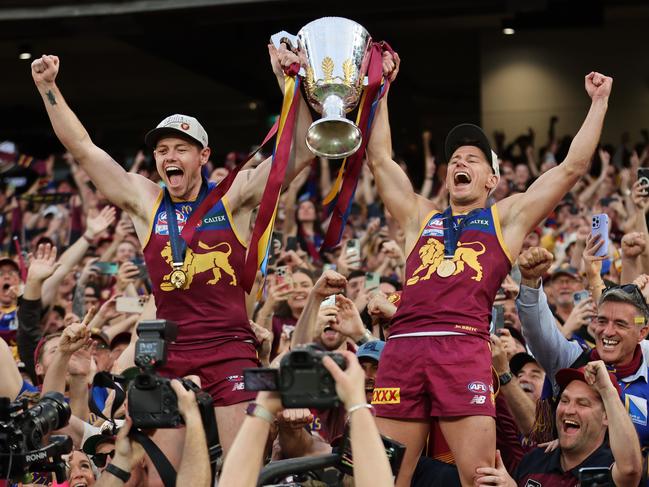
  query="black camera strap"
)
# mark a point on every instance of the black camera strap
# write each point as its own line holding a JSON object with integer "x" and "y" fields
{"x": 108, "y": 381}
{"x": 161, "y": 462}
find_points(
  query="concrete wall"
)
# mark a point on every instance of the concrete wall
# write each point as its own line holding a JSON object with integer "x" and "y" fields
{"x": 528, "y": 77}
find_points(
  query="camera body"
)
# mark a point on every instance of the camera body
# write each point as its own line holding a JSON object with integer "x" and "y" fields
{"x": 22, "y": 430}
{"x": 302, "y": 380}
{"x": 152, "y": 403}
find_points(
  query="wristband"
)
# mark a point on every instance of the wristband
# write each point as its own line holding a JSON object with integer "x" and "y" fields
{"x": 360, "y": 406}
{"x": 505, "y": 378}
{"x": 123, "y": 475}
{"x": 367, "y": 337}
{"x": 258, "y": 411}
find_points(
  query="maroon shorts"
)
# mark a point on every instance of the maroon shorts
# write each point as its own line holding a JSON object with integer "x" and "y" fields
{"x": 434, "y": 376}
{"x": 219, "y": 365}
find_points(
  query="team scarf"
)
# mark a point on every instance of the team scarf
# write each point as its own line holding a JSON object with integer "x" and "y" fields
{"x": 622, "y": 371}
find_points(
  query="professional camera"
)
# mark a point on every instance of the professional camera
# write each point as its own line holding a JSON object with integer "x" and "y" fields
{"x": 152, "y": 403}
{"x": 22, "y": 430}
{"x": 302, "y": 380}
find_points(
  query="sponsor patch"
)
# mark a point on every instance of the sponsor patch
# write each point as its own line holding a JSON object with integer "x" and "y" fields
{"x": 434, "y": 228}
{"x": 637, "y": 407}
{"x": 162, "y": 227}
{"x": 386, "y": 395}
{"x": 479, "y": 387}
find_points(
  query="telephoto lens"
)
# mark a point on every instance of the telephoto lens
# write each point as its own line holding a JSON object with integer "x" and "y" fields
{"x": 50, "y": 414}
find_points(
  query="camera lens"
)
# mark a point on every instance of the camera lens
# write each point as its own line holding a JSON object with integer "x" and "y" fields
{"x": 51, "y": 413}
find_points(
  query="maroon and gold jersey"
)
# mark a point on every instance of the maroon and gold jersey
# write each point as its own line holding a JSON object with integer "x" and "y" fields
{"x": 461, "y": 302}
{"x": 211, "y": 304}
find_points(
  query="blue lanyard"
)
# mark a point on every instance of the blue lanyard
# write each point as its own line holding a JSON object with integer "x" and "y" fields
{"x": 452, "y": 231}
{"x": 178, "y": 245}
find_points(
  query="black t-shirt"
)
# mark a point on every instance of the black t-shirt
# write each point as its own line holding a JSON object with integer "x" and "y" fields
{"x": 540, "y": 469}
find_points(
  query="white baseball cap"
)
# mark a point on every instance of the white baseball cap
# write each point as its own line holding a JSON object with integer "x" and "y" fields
{"x": 177, "y": 124}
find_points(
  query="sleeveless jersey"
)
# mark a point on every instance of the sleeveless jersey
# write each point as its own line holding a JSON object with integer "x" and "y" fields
{"x": 460, "y": 303}
{"x": 211, "y": 305}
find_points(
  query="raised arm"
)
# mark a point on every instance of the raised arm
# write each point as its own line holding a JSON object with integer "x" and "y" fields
{"x": 392, "y": 184}
{"x": 627, "y": 469}
{"x": 523, "y": 212}
{"x": 123, "y": 189}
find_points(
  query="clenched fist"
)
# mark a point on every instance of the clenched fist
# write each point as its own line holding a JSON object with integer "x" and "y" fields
{"x": 534, "y": 262}
{"x": 598, "y": 85}
{"x": 45, "y": 69}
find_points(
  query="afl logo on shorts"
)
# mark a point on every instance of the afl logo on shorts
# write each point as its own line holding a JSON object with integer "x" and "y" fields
{"x": 480, "y": 387}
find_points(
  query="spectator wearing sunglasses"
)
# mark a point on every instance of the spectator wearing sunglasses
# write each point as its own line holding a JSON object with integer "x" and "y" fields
{"x": 101, "y": 450}
{"x": 620, "y": 328}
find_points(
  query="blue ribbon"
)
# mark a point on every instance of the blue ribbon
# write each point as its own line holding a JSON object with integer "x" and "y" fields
{"x": 452, "y": 231}
{"x": 178, "y": 244}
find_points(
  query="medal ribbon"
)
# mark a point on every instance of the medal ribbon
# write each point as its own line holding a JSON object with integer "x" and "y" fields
{"x": 341, "y": 196}
{"x": 260, "y": 240}
{"x": 178, "y": 245}
{"x": 452, "y": 232}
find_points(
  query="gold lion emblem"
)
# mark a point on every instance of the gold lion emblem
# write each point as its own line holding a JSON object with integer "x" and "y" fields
{"x": 195, "y": 263}
{"x": 432, "y": 254}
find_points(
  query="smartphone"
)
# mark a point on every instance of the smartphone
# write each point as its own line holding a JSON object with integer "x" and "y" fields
{"x": 329, "y": 267}
{"x": 595, "y": 477}
{"x": 143, "y": 274}
{"x": 600, "y": 227}
{"x": 107, "y": 268}
{"x": 291, "y": 243}
{"x": 283, "y": 275}
{"x": 353, "y": 245}
{"x": 580, "y": 296}
{"x": 643, "y": 178}
{"x": 276, "y": 241}
{"x": 261, "y": 379}
{"x": 129, "y": 304}
{"x": 372, "y": 280}
{"x": 329, "y": 301}
{"x": 498, "y": 317}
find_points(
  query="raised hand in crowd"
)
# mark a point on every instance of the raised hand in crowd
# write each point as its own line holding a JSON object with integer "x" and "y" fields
{"x": 348, "y": 320}
{"x": 42, "y": 264}
{"x": 128, "y": 453}
{"x": 126, "y": 277}
{"x": 533, "y": 264}
{"x": 96, "y": 225}
{"x": 642, "y": 281}
{"x": 634, "y": 246}
{"x": 348, "y": 261}
{"x": 581, "y": 315}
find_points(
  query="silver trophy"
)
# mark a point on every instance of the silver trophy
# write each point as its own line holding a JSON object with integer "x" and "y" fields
{"x": 334, "y": 53}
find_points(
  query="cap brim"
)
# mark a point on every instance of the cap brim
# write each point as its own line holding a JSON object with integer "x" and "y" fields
{"x": 519, "y": 361}
{"x": 91, "y": 444}
{"x": 467, "y": 132}
{"x": 153, "y": 136}
{"x": 11, "y": 262}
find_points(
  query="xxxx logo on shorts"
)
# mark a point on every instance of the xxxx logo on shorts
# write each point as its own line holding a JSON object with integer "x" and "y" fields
{"x": 386, "y": 395}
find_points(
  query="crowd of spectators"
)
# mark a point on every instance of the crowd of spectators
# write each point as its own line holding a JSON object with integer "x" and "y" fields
{"x": 73, "y": 287}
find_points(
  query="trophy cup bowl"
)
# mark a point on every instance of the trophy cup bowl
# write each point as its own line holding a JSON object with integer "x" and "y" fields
{"x": 334, "y": 52}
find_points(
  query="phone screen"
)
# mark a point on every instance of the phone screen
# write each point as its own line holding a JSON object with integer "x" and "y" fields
{"x": 108, "y": 268}
{"x": 261, "y": 379}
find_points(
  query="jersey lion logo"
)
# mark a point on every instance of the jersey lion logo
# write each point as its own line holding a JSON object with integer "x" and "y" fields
{"x": 432, "y": 254}
{"x": 195, "y": 263}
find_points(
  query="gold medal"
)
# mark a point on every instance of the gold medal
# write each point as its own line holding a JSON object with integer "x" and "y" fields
{"x": 446, "y": 268}
{"x": 178, "y": 278}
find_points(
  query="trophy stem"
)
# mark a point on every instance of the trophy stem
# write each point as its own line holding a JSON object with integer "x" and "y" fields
{"x": 333, "y": 136}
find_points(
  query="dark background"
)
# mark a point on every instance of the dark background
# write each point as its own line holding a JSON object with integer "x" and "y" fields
{"x": 126, "y": 65}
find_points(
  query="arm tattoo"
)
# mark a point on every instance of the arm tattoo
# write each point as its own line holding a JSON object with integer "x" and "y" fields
{"x": 50, "y": 97}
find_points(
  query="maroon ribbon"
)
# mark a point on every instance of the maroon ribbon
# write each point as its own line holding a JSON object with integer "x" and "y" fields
{"x": 355, "y": 161}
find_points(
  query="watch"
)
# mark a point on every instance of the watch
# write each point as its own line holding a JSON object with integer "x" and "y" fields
{"x": 367, "y": 337}
{"x": 123, "y": 475}
{"x": 505, "y": 378}
{"x": 258, "y": 411}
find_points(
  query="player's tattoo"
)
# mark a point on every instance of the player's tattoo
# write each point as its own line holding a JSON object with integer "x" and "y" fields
{"x": 51, "y": 98}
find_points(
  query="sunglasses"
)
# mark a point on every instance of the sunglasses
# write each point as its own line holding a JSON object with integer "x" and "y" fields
{"x": 636, "y": 295}
{"x": 100, "y": 459}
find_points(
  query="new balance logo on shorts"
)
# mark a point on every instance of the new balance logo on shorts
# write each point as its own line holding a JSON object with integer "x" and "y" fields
{"x": 478, "y": 399}
{"x": 386, "y": 395}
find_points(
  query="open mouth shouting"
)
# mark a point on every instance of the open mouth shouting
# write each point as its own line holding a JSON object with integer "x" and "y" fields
{"x": 174, "y": 175}
{"x": 461, "y": 179}
{"x": 570, "y": 426}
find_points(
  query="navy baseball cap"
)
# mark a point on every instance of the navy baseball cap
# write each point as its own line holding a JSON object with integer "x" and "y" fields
{"x": 371, "y": 350}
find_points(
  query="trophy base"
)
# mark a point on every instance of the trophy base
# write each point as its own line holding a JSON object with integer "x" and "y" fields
{"x": 333, "y": 138}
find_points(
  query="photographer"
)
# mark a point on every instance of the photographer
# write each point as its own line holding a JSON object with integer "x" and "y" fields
{"x": 371, "y": 467}
{"x": 194, "y": 465}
